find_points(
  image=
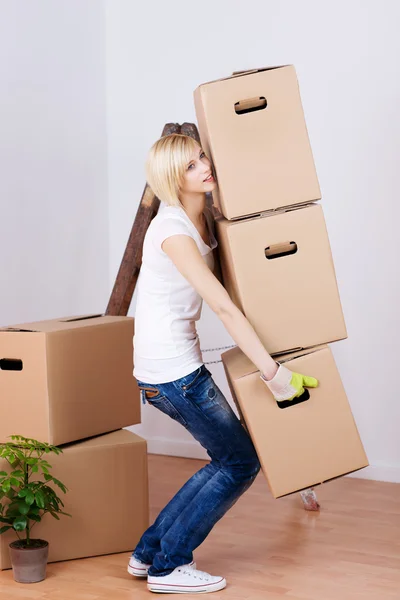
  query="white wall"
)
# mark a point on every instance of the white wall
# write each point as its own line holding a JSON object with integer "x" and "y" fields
{"x": 59, "y": 247}
{"x": 53, "y": 160}
{"x": 346, "y": 57}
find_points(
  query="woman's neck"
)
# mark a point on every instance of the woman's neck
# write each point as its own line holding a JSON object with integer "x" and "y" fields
{"x": 194, "y": 208}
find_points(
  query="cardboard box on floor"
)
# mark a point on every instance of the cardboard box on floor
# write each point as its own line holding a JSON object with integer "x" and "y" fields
{"x": 278, "y": 270}
{"x": 107, "y": 499}
{"x": 252, "y": 127}
{"x": 307, "y": 443}
{"x": 67, "y": 379}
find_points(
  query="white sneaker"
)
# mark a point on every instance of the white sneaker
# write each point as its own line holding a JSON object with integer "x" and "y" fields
{"x": 139, "y": 569}
{"x": 185, "y": 580}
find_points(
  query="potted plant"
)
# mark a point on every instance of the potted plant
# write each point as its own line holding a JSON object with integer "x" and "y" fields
{"x": 26, "y": 501}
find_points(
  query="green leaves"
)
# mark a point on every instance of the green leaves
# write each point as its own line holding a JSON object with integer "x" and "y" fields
{"x": 28, "y": 495}
{"x": 40, "y": 498}
{"x": 28, "y": 499}
{"x": 35, "y": 517}
{"x": 5, "y": 520}
{"x": 60, "y": 485}
{"x": 23, "y": 508}
{"x": 17, "y": 473}
{"x": 20, "y": 523}
{"x": 5, "y": 528}
{"x": 6, "y": 486}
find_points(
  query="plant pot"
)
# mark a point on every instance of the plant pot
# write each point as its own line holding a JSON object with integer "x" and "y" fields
{"x": 29, "y": 562}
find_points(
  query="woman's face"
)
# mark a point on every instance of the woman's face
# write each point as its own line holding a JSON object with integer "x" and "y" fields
{"x": 198, "y": 175}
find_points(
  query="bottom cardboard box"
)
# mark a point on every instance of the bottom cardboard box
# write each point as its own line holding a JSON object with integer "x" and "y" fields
{"x": 107, "y": 496}
{"x": 305, "y": 444}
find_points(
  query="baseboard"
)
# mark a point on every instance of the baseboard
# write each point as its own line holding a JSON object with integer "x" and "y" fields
{"x": 379, "y": 472}
{"x": 187, "y": 449}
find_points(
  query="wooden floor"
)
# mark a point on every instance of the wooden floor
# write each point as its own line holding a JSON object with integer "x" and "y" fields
{"x": 265, "y": 548}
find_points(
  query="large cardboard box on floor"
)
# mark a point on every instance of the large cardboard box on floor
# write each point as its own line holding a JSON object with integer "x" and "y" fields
{"x": 67, "y": 379}
{"x": 307, "y": 443}
{"x": 107, "y": 499}
{"x": 253, "y": 129}
{"x": 278, "y": 270}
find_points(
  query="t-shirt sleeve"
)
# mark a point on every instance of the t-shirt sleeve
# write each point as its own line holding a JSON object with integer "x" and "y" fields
{"x": 167, "y": 228}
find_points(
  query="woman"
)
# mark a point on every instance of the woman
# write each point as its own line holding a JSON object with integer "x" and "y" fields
{"x": 175, "y": 277}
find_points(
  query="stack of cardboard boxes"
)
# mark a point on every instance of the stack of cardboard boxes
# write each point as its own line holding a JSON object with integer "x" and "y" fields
{"x": 69, "y": 382}
{"x": 277, "y": 267}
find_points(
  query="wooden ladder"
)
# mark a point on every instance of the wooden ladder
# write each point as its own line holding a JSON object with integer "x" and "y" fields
{"x": 125, "y": 283}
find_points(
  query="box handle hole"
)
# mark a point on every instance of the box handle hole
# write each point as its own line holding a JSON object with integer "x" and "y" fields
{"x": 287, "y": 403}
{"x": 11, "y": 364}
{"x": 250, "y": 105}
{"x": 281, "y": 249}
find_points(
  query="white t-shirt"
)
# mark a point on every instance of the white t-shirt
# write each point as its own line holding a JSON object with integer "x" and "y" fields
{"x": 166, "y": 343}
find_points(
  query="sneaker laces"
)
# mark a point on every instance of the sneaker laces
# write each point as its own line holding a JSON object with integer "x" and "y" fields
{"x": 189, "y": 570}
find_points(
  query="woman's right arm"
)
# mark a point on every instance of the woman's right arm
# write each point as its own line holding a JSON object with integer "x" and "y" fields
{"x": 184, "y": 253}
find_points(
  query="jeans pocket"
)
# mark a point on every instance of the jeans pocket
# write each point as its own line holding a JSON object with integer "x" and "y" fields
{"x": 193, "y": 378}
{"x": 149, "y": 393}
{"x": 157, "y": 399}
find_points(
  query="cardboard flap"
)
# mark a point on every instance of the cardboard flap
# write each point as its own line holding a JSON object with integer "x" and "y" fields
{"x": 286, "y": 356}
{"x": 256, "y": 70}
{"x": 272, "y": 212}
{"x": 79, "y": 318}
{"x": 236, "y": 74}
{"x": 241, "y": 366}
{"x": 63, "y": 323}
{"x": 15, "y": 329}
{"x": 266, "y": 213}
{"x": 47, "y": 325}
{"x": 112, "y": 439}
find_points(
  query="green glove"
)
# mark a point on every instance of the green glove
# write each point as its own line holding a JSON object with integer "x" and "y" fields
{"x": 287, "y": 385}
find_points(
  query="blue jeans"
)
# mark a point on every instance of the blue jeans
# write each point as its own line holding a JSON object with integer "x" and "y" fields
{"x": 196, "y": 402}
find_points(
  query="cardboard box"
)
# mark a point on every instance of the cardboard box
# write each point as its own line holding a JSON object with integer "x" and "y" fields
{"x": 252, "y": 127}
{"x": 307, "y": 443}
{"x": 67, "y": 379}
{"x": 107, "y": 499}
{"x": 278, "y": 270}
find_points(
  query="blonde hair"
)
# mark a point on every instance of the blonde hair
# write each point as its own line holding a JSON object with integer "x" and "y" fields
{"x": 166, "y": 165}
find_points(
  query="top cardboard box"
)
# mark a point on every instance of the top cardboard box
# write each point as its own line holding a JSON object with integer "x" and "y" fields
{"x": 67, "y": 379}
{"x": 252, "y": 127}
